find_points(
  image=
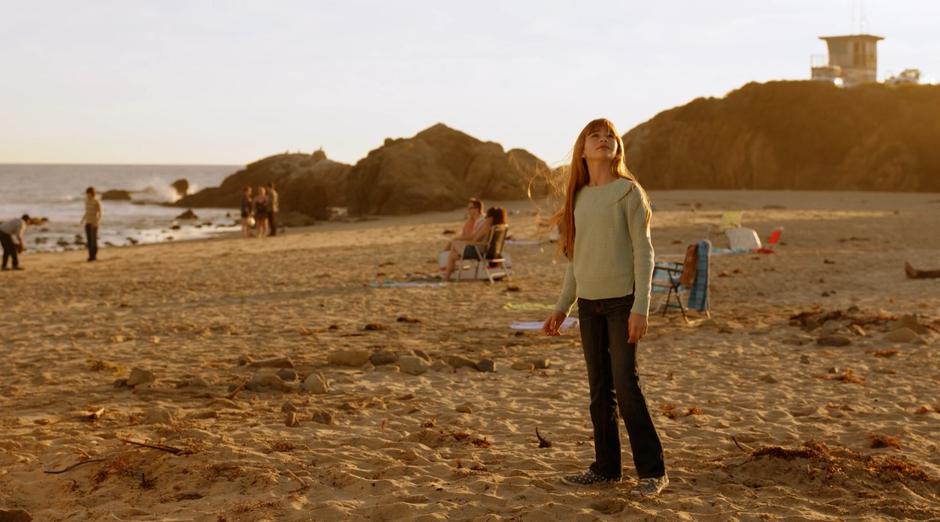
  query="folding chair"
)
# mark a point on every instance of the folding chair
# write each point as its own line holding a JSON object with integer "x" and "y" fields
{"x": 489, "y": 256}
{"x": 689, "y": 275}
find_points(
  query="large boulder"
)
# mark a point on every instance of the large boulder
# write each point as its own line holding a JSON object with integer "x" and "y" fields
{"x": 794, "y": 135}
{"x": 306, "y": 184}
{"x": 116, "y": 195}
{"x": 438, "y": 169}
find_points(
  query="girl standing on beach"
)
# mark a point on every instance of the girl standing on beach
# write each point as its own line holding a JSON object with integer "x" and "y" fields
{"x": 605, "y": 234}
{"x": 261, "y": 212}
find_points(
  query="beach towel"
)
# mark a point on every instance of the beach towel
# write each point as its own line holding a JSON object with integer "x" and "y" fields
{"x": 529, "y": 307}
{"x": 537, "y": 325}
{"x": 407, "y": 284}
{"x": 698, "y": 293}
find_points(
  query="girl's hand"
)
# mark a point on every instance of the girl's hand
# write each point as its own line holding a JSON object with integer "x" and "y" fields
{"x": 553, "y": 323}
{"x": 636, "y": 327}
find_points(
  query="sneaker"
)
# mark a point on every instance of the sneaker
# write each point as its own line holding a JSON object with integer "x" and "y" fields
{"x": 650, "y": 487}
{"x": 588, "y": 478}
{"x": 17, "y": 268}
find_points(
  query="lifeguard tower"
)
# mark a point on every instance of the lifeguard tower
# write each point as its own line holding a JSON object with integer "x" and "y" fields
{"x": 853, "y": 60}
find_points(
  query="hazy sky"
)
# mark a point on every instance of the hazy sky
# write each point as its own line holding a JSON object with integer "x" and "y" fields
{"x": 193, "y": 81}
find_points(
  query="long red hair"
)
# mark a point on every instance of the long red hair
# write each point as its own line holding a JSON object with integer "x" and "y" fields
{"x": 579, "y": 177}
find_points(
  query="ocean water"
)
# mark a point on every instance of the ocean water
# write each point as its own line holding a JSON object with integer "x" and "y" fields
{"x": 57, "y": 192}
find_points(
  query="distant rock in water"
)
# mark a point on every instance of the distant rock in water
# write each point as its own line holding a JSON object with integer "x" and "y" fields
{"x": 181, "y": 186}
{"x": 189, "y": 214}
{"x": 438, "y": 169}
{"x": 116, "y": 195}
{"x": 306, "y": 184}
{"x": 794, "y": 135}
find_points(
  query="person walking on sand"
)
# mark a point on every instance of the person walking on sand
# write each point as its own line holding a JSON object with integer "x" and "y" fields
{"x": 605, "y": 234}
{"x": 247, "y": 212}
{"x": 261, "y": 212}
{"x": 91, "y": 219}
{"x": 274, "y": 206}
{"x": 10, "y": 230}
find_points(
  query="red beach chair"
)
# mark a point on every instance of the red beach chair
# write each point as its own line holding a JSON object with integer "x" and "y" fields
{"x": 772, "y": 242}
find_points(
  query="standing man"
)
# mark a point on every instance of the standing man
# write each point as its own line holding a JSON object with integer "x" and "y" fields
{"x": 91, "y": 219}
{"x": 274, "y": 208}
{"x": 15, "y": 228}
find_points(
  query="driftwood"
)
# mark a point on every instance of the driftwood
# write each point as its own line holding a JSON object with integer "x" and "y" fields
{"x": 237, "y": 390}
{"x": 168, "y": 449}
{"x": 73, "y": 466}
{"x": 543, "y": 442}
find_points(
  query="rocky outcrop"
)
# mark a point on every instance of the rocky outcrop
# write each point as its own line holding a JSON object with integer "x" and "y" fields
{"x": 306, "y": 184}
{"x": 438, "y": 169}
{"x": 181, "y": 186}
{"x": 116, "y": 195}
{"x": 794, "y": 135}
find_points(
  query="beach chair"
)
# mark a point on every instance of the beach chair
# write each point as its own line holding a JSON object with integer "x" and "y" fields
{"x": 489, "y": 257}
{"x": 772, "y": 242}
{"x": 690, "y": 275}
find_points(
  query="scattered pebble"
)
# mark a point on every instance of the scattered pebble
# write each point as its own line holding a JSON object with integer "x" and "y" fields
{"x": 833, "y": 340}
{"x": 264, "y": 381}
{"x": 464, "y": 408}
{"x": 523, "y": 366}
{"x": 486, "y": 365}
{"x": 413, "y": 365}
{"x": 383, "y": 357}
{"x": 316, "y": 383}
{"x": 291, "y": 420}
{"x": 287, "y": 374}
{"x": 322, "y": 417}
{"x": 274, "y": 362}
{"x": 139, "y": 376}
{"x": 349, "y": 357}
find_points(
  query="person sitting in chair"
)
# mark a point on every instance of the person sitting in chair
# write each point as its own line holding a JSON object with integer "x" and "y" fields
{"x": 464, "y": 249}
{"x": 471, "y": 225}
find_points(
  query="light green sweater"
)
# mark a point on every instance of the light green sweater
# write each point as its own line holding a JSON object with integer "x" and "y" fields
{"x": 613, "y": 254}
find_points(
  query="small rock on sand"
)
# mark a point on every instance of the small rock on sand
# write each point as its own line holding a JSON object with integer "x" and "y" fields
{"x": 316, "y": 383}
{"x": 903, "y": 335}
{"x": 291, "y": 420}
{"x": 349, "y": 357}
{"x": 322, "y": 417}
{"x": 412, "y": 364}
{"x": 139, "y": 377}
{"x": 273, "y": 362}
{"x": 486, "y": 365}
{"x": 265, "y": 381}
{"x": 288, "y": 407}
{"x": 911, "y": 322}
{"x": 458, "y": 361}
{"x": 541, "y": 364}
{"x": 383, "y": 357}
{"x": 464, "y": 408}
{"x": 804, "y": 359}
{"x": 158, "y": 415}
{"x": 523, "y": 366}
{"x": 244, "y": 359}
{"x": 833, "y": 340}
{"x": 287, "y": 374}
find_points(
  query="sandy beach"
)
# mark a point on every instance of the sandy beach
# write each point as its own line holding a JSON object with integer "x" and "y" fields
{"x": 273, "y": 382}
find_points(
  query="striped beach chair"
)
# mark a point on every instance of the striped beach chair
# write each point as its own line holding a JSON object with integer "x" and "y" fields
{"x": 690, "y": 275}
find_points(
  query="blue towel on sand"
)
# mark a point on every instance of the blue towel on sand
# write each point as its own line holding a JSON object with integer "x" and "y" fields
{"x": 698, "y": 294}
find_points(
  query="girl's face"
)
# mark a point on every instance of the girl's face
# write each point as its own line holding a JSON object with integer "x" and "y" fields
{"x": 600, "y": 144}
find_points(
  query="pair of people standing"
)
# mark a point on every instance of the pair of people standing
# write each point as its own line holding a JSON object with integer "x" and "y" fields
{"x": 260, "y": 211}
{"x": 605, "y": 234}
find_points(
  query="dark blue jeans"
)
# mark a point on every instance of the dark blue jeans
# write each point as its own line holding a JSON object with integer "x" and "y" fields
{"x": 91, "y": 237}
{"x": 613, "y": 380}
